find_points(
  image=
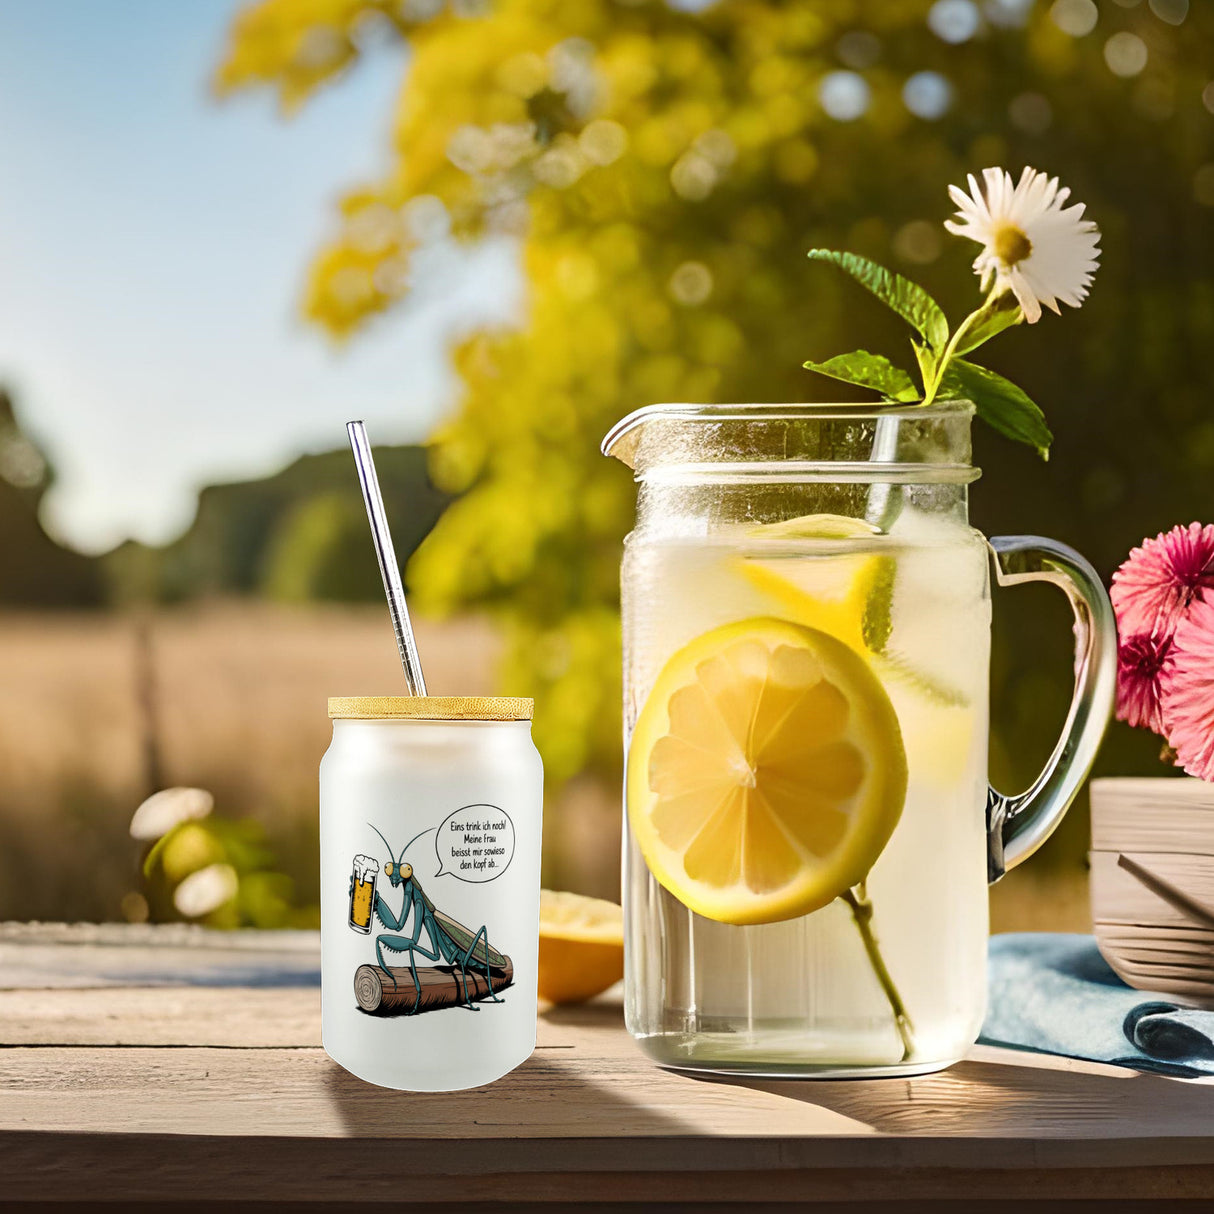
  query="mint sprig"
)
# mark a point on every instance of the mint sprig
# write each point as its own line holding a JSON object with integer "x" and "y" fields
{"x": 938, "y": 350}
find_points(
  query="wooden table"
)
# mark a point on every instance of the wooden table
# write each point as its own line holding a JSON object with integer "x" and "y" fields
{"x": 172, "y": 1063}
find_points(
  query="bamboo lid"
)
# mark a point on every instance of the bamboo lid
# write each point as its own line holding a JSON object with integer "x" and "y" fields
{"x": 430, "y": 708}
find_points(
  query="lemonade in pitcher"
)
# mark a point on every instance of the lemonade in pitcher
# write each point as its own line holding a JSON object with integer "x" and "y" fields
{"x": 806, "y": 656}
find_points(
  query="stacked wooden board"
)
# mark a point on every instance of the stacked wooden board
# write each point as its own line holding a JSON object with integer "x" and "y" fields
{"x": 1153, "y": 883}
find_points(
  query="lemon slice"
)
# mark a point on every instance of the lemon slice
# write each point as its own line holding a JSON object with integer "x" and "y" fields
{"x": 766, "y": 772}
{"x": 847, "y": 595}
{"x": 581, "y": 946}
{"x": 850, "y": 596}
{"x": 818, "y": 527}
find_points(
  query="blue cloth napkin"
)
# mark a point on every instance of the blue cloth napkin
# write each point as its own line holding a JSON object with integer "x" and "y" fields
{"x": 1055, "y": 993}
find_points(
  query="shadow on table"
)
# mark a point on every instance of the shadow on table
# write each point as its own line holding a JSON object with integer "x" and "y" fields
{"x": 977, "y": 1098}
{"x": 542, "y": 1098}
{"x": 558, "y": 1092}
{"x": 604, "y": 1012}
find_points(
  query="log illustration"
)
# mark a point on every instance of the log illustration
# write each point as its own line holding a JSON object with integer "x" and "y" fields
{"x": 441, "y": 986}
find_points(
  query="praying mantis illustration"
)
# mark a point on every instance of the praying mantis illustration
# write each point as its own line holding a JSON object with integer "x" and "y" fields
{"x": 450, "y": 940}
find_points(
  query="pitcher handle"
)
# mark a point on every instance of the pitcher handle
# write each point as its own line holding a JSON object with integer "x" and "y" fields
{"x": 1017, "y": 825}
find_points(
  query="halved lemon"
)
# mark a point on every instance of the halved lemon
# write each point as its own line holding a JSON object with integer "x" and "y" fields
{"x": 581, "y": 946}
{"x": 766, "y": 772}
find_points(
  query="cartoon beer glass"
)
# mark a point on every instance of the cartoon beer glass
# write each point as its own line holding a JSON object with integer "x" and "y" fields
{"x": 362, "y": 893}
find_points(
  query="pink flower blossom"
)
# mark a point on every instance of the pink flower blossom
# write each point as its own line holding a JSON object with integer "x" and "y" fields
{"x": 1188, "y": 699}
{"x": 1160, "y": 581}
{"x": 1143, "y": 665}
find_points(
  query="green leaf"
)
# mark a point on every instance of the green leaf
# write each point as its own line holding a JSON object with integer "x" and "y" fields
{"x": 908, "y": 299}
{"x": 1000, "y": 404}
{"x": 1004, "y": 313}
{"x": 155, "y": 853}
{"x": 927, "y": 364}
{"x": 869, "y": 371}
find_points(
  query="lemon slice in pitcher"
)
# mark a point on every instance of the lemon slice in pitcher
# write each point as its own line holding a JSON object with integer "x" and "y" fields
{"x": 766, "y": 772}
{"x": 847, "y": 595}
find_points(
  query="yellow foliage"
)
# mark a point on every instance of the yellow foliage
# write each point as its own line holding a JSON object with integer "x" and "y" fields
{"x": 664, "y": 171}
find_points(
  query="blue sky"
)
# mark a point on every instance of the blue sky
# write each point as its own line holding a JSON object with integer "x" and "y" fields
{"x": 153, "y": 244}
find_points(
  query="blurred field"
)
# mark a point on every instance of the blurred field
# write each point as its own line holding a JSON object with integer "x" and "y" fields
{"x": 97, "y": 710}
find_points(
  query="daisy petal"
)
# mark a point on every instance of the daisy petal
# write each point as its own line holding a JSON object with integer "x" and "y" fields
{"x": 1063, "y": 248}
{"x": 1025, "y": 296}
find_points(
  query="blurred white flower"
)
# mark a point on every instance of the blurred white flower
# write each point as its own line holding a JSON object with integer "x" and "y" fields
{"x": 927, "y": 95}
{"x": 1126, "y": 54}
{"x": 168, "y": 808}
{"x": 1031, "y": 245}
{"x": 694, "y": 176}
{"x": 603, "y": 141}
{"x": 954, "y": 20}
{"x": 844, "y": 95}
{"x": 206, "y": 890}
{"x": 691, "y": 283}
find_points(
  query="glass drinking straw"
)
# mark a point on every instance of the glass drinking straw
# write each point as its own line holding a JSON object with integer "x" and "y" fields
{"x": 883, "y": 505}
{"x": 386, "y": 554}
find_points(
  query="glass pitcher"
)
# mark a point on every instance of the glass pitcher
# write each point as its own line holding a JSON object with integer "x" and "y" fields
{"x": 809, "y": 832}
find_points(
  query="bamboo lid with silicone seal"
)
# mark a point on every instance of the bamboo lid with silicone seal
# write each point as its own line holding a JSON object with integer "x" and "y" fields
{"x": 430, "y": 708}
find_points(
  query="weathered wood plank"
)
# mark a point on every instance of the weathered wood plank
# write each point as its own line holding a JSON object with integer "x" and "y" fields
{"x": 995, "y": 1093}
{"x": 149, "y": 1091}
{"x": 142, "y": 1168}
{"x": 114, "y": 954}
{"x": 572, "y": 1087}
{"x": 249, "y": 1018}
{"x": 233, "y": 1018}
{"x": 589, "y": 1081}
{"x": 1153, "y": 815}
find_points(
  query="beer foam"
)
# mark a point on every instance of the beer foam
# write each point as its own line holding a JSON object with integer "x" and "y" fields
{"x": 365, "y": 868}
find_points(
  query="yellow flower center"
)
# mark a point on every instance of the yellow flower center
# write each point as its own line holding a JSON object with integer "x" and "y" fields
{"x": 1011, "y": 245}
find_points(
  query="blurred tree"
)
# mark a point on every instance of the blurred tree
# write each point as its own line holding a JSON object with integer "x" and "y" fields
{"x": 665, "y": 168}
{"x": 298, "y": 535}
{"x": 35, "y": 571}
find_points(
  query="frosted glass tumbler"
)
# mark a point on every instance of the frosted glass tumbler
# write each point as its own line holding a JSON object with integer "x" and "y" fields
{"x": 430, "y": 813}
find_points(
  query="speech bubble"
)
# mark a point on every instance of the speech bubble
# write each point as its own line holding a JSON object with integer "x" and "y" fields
{"x": 474, "y": 844}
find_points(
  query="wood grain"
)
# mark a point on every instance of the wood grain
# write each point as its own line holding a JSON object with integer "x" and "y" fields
{"x": 586, "y": 1079}
{"x": 1152, "y": 883}
{"x": 150, "y": 1092}
{"x": 1119, "y": 897}
{"x": 668, "y": 1171}
{"x": 172, "y": 1016}
{"x": 1153, "y": 815}
{"x": 35, "y": 955}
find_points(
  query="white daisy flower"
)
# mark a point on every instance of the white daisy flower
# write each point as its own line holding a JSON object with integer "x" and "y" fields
{"x": 1031, "y": 245}
{"x": 168, "y": 808}
{"x": 206, "y": 890}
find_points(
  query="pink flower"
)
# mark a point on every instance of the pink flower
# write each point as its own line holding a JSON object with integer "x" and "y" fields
{"x": 1160, "y": 581}
{"x": 1188, "y": 699}
{"x": 1143, "y": 665}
